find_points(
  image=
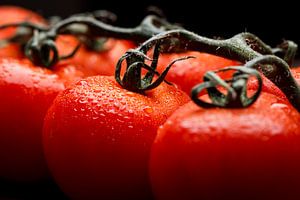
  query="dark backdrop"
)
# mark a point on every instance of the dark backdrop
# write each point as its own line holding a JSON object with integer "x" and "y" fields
{"x": 270, "y": 21}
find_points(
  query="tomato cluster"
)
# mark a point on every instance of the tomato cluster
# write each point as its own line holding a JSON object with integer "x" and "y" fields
{"x": 104, "y": 132}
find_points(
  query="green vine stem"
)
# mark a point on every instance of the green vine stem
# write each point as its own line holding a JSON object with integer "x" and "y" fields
{"x": 41, "y": 48}
{"x": 244, "y": 47}
{"x": 236, "y": 88}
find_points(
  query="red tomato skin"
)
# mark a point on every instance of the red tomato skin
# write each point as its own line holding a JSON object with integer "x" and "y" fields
{"x": 26, "y": 92}
{"x": 296, "y": 73}
{"x": 14, "y": 14}
{"x": 91, "y": 62}
{"x": 97, "y": 137}
{"x": 234, "y": 154}
{"x": 270, "y": 87}
{"x": 186, "y": 74}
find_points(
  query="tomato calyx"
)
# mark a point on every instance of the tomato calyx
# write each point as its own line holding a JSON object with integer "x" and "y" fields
{"x": 133, "y": 78}
{"x": 236, "y": 88}
{"x": 273, "y": 67}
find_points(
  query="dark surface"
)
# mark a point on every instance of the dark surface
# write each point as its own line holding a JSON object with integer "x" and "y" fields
{"x": 46, "y": 190}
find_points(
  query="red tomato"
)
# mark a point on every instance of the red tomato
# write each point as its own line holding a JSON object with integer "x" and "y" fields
{"x": 13, "y": 14}
{"x": 188, "y": 73}
{"x": 251, "y": 153}
{"x": 97, "y": 137}
{"x": 27, "y": 92}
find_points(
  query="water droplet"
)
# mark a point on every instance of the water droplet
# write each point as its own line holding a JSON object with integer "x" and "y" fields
{"x": 148, "y": 110}
{"x": 130, "y": 126}
{"x": 279, "y": 106}
{"x": 112, "y": 111}
{"x": 131, "y": 94}
{"x": 75, "y": 109}
{"x": 95, "y": 117}
{"x": 82, "y": 82}
{"x": 82, "y": 109}
{"x": 82, "y": 100}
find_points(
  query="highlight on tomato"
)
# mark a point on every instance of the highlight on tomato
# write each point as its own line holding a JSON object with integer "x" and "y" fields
{"x": 98, "y": 133}
{"x": 233, "y": 143}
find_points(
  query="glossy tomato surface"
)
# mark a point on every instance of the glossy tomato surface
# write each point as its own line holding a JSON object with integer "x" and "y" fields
{"x": 27, "y": 92}
{"x": 97, "y": 137}
{"x": 186, "y": 74}
{"x": 251, "y": 153}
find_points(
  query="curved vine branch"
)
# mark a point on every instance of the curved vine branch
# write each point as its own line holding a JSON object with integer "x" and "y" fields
{"x": 40, "y": 41}
{"x": 244, "y": 47}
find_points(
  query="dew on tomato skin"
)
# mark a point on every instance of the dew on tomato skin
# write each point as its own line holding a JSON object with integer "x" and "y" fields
{"x": 82, "y": 83}
{"x": 130, "y": 94}
{"x": 279, "y": 106}
{"x": 126, "y": 117}
{"x": 148, "y": 109}
{"x": 82, "y": 100}
{"x": 119, "y": 120}
{"x": 130, "y": 126}
{"x": 112, "y": 111}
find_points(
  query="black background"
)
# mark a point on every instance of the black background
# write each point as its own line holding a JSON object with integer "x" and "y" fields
{"x": 271, "y": 21}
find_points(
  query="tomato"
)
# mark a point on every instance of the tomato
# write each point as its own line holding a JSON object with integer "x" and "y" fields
{"x": 92, "y": 62}
{"x": 13, "y": 14}
{"x": 218, "y": 153}
{"x": 27, "y": 91}
{"x": 97, "y": 137}
{"x": 188, "y": 73}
